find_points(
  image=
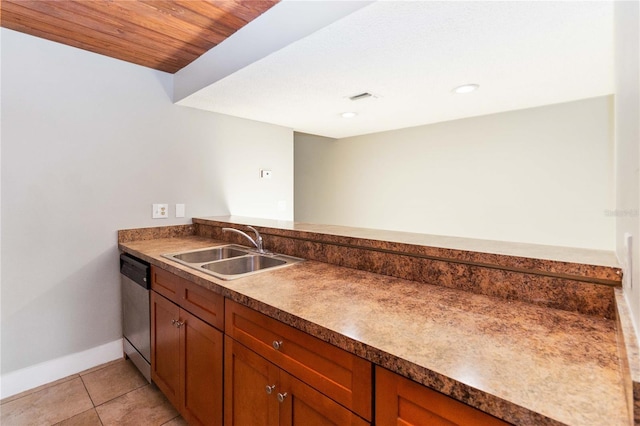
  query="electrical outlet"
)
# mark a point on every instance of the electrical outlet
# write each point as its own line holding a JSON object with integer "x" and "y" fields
{"x": 160, "y": 211}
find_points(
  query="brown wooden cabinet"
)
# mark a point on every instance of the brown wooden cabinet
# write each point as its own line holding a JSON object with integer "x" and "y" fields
{"x": 186, "y": 351}
{"x": 201, "y": 302}
{"x": 400, "y": 401}
{"x": 274, "y": 374}
{"x": 258, "y": 392}
{"x": 247, "y": 375}
{"x": 202, "y": 372}
{"x": 343, "y": 376}
{"x": 302, "y": 405}
{"x": 165, "y": 347}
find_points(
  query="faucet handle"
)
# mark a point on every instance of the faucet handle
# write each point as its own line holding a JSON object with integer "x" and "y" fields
{"x": 258, "y": 236}
{"x": 258, "y": 239}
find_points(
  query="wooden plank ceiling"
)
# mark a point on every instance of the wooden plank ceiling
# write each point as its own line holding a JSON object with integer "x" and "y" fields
{"x": 161, "y": 34}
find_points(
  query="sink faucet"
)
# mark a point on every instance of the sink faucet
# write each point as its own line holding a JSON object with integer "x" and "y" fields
{"x": 257, "y": 242}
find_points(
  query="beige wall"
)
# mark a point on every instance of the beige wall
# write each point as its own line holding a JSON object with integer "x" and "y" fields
{"x": 627, "y": 119}
{"x": 88, "y": 144}
{"x": 542, "y": 175}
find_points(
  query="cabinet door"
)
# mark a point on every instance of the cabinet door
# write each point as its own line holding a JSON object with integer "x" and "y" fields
{"x": 201, "y": 359}
{"x": 246, "y": 377}
{"x": 402, "y": 402}
{"x": 329, "y": 369}
{"x": 301, "y": 405}
{"x": 165, "y": 347}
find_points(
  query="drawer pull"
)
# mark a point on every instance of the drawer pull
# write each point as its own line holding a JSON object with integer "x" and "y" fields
{"x": 281, "y": 397}
{"x": 177, "y": 323}
{"x": 270, "y": 389}
{"x": 277, "y": 345}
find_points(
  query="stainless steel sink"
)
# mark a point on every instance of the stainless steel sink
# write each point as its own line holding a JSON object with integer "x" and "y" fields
{"x": 231, "y": 261}
{"x": 243, "y": 265}
{"x": 209, "y": 255}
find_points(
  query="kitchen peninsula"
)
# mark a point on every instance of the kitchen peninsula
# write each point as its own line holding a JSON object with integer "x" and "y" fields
{"x": 531, "y": 335}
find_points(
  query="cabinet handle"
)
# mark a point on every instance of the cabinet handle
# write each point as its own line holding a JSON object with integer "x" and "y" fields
{"x": 277, "y": 345}
{"x": 270, "y": 389}
{"x": 179, "y": 323}
{"x": 281, "y": 397}
{"x": 173, "y": 322}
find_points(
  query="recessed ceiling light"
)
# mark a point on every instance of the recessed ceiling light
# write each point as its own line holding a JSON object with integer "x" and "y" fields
{"x": 348, "y": 114}
{"x": 466, "y": 88}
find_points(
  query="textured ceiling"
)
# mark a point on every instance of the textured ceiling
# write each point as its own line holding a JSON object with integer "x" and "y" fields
{"x": 411, "y": 55}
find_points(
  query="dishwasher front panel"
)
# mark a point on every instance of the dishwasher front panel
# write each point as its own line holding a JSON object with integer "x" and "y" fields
{"x": 136, "y": 324}
{"x": 136, "y": 315}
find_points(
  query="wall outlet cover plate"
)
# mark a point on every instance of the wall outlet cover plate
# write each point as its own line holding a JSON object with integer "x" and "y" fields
{"x": 160, "y": 211}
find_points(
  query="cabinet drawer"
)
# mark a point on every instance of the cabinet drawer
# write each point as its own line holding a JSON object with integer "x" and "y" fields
{"x": 166, "y": 283}
{"x": 207, "y": 305}
{"x": 201, "y": 302}
{"x": 402, "y": 401}
{"x": 343, "y": 376}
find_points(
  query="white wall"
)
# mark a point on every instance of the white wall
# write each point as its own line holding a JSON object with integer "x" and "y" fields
{"x": 251, "y": 146}
{"x": 89, "y": 143}
{"x": 627, "y": 127}
{"x": 541, "y": 175}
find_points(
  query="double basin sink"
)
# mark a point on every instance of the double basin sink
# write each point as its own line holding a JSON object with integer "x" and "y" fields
{"x": 231, "y": 261}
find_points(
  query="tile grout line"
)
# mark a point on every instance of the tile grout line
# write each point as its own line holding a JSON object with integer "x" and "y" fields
{"x": 106, "y": 411}
{"x": 88, "y": 393}
{"x": 127, "y": 392}
{"x": 95, "y": 407}
{"x": 90, "y": 398}
{"x": 170, "y": 420}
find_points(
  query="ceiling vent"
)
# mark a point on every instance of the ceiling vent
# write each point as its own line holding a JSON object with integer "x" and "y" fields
{"x": 360, "y": 96}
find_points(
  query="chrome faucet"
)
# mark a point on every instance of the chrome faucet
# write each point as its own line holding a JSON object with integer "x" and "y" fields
{"x": 257, "y": 242}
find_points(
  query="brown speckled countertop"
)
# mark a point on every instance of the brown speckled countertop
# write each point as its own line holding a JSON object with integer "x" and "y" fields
{"x": 526, "y": 364}
{"x": 511, "y": 253}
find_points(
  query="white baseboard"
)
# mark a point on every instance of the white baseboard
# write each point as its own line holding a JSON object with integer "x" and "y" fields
{"x": 36, "y": 375}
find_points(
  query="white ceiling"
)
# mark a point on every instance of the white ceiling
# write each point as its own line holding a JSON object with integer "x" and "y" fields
{"x": 411, "y": 54}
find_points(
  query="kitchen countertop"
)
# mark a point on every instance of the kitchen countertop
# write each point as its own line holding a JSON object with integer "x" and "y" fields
{"x": 523, "y": 363}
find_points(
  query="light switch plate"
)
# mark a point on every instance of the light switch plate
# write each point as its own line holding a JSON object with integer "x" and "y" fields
{"x": 265, "y": 174}
{"x": 180, "y": 210}
{"x": 160, "y": 211}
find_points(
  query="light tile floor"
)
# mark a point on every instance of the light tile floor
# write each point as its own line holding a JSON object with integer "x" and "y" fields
{"x": 110, "y": 394}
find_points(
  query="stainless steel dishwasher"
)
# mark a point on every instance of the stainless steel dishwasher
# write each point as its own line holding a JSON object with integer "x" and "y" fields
{"x": 136, "y": 316}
